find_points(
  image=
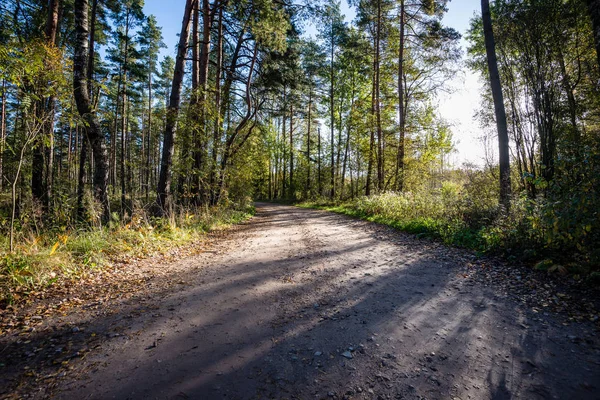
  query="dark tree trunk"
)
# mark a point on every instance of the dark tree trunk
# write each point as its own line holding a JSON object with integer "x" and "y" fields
{"x": 490, "y": 49}
{"x": 276, "y": 180}
{"x": 195, "y": 114}
{"x": 283, "y": 136}
{"x": 91, "y": 57}
{"x": 149, "y": 139}
{"x": 308, "y": 191}
{"x": 195, "y": 44}
{"x": 37, "y": 170}
{"x": 113, "y": 136}
{"x": 2, "y": 133}
{"x": 163, "y": 190}
{"x": 52, "y": 21}
{"x": 292, "y": 193}
{"x": 207, "y": 20}
{"x": 81, "y": 92}
{"x": 123, "y": 149}
{"x": 81, "y": 180}
{"x": 124, "y": 125}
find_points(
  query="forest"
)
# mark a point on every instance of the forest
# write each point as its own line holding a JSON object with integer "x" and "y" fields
{"x": 107, "y": 148}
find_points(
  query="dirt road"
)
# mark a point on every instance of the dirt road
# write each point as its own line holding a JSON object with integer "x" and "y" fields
{"x": 307, "y": 304}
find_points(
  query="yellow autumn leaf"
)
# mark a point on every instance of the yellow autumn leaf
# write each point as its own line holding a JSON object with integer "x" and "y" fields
{"x": 54, "y": 247}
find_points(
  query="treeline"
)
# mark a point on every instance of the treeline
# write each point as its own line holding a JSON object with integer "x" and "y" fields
{"x": 94, "y": 125}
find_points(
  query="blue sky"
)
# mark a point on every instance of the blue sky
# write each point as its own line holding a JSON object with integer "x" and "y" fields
{"x": 457, "y": 108}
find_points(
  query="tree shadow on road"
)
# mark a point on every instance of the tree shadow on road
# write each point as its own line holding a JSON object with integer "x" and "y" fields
{"x": 311, "y": 326}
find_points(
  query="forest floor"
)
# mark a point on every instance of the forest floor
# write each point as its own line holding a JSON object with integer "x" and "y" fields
{"x": 300, "y": 303}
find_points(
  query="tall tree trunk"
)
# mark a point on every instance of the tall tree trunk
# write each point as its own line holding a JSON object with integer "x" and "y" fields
{"x": 195, "y": 44}
{"x": 332, "y": 115}
{"x": 92, "y": 56}
{"x": 401, "y": 110}
{"x": 380, "y": 176}
{"x": 51, "y": 33}
{"x": 319, "y": 180}
{"x": 276, "y": 180}
{"x": 149, "y": 138}
{"x": 82, "y": 99}
{"x": 115, "y": 134}
{"x": 308, "y": 191}
{"x": 200, "y": 151}
{"x": 372, "y": 124}
{"x": 347, "y": 149}
{"x": 490, "y": 49}
{"x": 207, "y": 20}
{"x": 292, "y": 186}
{"x": 2, "y": 133}
{"x": 124, "y": 125}
{"x": 338, "y": 155}
{"x": 123, "y": 149}
{"x": 195, "y": 115}
{"x": 284, "y": 161}
{"x": 270, "y": 191}
{"x": 217, "y": 129}
{"x": 69, "y": 155}
{"x": 163, "y": 190}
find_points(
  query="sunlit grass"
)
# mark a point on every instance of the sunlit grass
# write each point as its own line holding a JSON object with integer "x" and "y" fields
{"x": 43, "y": 259}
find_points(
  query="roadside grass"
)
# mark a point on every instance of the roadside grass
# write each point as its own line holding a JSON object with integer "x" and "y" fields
{"x": 450, "y": 232}
{"x": 519, "y": 235}
{"x": 41, "y": 260}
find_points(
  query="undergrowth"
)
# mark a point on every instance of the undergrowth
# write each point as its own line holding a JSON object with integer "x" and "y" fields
{"x": 41, "y": 259}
